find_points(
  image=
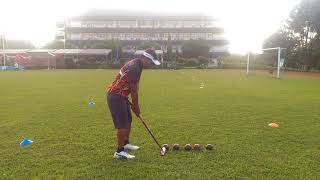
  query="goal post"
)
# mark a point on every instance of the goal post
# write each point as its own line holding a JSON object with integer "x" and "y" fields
{"x": 280, "y": 61}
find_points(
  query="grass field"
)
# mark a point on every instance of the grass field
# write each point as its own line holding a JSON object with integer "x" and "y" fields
{"x": 75, "y": 141}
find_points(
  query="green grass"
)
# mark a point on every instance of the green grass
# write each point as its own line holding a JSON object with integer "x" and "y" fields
{"x": 75, "y": 141}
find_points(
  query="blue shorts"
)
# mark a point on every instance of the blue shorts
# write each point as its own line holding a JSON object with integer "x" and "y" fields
{"x": 120, "y": 110}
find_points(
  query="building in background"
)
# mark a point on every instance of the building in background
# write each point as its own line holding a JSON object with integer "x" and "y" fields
{"x": 133, "y": 29}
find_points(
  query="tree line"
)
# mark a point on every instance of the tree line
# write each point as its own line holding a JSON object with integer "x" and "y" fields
{"x": 300, "y": 34}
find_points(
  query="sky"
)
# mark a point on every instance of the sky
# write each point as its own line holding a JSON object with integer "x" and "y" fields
{"x": 247, "y": 22}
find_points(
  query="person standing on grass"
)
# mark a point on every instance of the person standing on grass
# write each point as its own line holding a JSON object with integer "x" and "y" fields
{"x": 125, "y": 84}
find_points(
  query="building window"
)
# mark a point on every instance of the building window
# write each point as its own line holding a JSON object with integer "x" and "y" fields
{"x": 87, "y": 25}
{"x": 75, "y": 24}
{"x": 127, "y": 24}
{"x": 145, "y": 23}
{"x": 75, "y": 36}
{"x": 101, "y": 36}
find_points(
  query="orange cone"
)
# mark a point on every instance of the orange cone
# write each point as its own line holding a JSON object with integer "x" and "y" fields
{"x": 273, "y": 125}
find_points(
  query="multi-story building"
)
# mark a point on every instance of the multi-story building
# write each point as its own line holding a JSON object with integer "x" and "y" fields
{"x": 133, "y": 29}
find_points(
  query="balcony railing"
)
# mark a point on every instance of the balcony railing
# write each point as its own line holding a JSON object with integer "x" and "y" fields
{"x": 160, "y": 30}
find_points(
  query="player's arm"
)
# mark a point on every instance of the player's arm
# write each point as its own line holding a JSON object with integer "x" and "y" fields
{"x": 134, "y": 88}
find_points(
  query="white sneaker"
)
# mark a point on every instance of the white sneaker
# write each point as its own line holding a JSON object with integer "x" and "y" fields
{"x": 123, "y": 155}
{"x": 130, "y": 147}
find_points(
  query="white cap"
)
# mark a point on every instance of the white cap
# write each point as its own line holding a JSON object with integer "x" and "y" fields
{"x": 149, "y": 56}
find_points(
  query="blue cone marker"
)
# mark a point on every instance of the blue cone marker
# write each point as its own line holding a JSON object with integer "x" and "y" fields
{"x": 26, "y": 142}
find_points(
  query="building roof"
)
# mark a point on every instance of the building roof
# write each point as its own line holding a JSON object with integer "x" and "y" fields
{"x": 105, "y": 14}
{"x": 138, "y": 52}
{"x": 14, "y": 51}
{"x": 95, "y": 51}
{"x": 67, "y": 51}
{"x": 81, "y": 52}
{"x": 146, "y": 30}
{"x": 40, "y": 50}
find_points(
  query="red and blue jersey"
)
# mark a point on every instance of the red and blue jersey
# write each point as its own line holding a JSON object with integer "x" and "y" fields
{"x": 129, "y": 73}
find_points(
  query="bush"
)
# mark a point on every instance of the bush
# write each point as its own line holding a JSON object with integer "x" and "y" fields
{"x": 181, "y": 60}
{"x": 192, "y": 62}
{"x": 203, "y": 61}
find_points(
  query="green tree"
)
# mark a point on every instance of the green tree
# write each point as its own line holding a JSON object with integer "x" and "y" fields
{"x": 284, "y": 38}
{"x": 300, "y": 35}
{"x": 315, "y": 49}
{"x": 304, "y": 21}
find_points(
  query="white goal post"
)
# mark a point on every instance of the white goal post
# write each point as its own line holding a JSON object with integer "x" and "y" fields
{"x": 279, "y": 64}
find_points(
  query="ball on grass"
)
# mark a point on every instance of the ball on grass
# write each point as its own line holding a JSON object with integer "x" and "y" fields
{"x": 166, "y": 146}
{"x": 209, "y": 147}
{"x": 163, "y": 151}
{"x": 187, "y": 147}
{"x": 196, "y": 147}
{"x": 176, "y": 147}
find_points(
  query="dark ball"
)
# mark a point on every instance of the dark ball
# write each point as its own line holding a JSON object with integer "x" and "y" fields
{"x": 196, "y": 147}
{"x": 166, "y": 146}
{"x": 209, "y": 147}
{"x": 176, "y": 147}
{"x": 187, "y": 147}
